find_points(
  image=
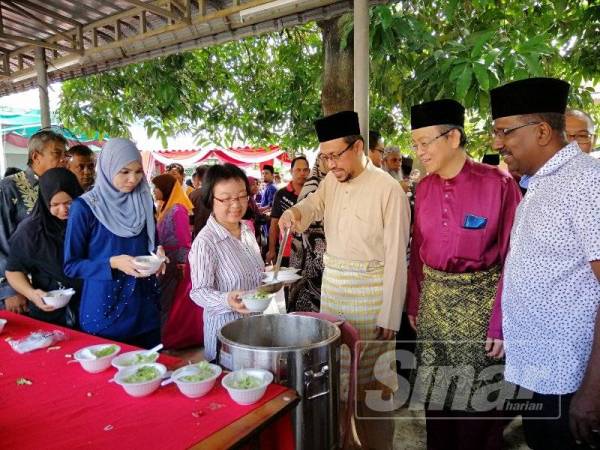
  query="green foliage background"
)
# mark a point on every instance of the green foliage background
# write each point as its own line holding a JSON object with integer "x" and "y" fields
{"x": 267, "y": 89}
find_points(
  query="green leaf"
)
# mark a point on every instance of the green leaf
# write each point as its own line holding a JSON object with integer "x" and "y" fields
{"x": 509, "y": 67}
{"x": 484, "y": 101}
{"x": 480, "y": 42}
{"x": 481, "y": 74}
{"x": 386, "y": 17}
{"x": 463, "y": 83}
{"x": 533, "y": 63}
{"x": 450, "y": 10}
{"x": 456, "y": 71}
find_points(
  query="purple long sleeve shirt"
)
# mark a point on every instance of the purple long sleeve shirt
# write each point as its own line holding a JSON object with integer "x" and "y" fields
{"x": 440, "y": 239}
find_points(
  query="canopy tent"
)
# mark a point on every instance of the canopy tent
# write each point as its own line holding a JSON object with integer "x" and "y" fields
{"x": 17, "y": 126}
{"x": 246, "y": 157}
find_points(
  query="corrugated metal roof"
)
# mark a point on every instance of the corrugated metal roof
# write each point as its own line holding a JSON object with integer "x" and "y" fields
{"x": 83, "y": 37}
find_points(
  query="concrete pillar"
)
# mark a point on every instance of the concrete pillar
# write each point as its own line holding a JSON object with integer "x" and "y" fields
{"x": 42, "y": 81}
{"x": 361, "y": 66}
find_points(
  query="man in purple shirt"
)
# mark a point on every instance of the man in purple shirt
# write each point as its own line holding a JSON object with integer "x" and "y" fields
{"x": 463, "y": 215}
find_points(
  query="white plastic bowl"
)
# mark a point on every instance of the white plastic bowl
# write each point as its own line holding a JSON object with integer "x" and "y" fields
{"x": 247, "y": 396}
{"x": 147, "y": 265}
{"x": 95, "y": 365}
{"x": 195, "y": 389}
{"x": 144, "y": 388}
{"x": 58, "y": 298}
{"x": 125, "y": 360}
{"x": 256, "y": 304}
{"x": 2, "y": 323}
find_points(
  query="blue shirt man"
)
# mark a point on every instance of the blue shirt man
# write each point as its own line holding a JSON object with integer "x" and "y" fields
{"x": 270, "y": 189}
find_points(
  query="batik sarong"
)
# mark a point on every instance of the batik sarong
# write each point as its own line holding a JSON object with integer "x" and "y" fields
{"x": 452, "y": 326}
{"x": 354, "y": 290}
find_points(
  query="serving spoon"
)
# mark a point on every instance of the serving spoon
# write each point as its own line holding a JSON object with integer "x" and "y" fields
{"x": 273, "y": 286}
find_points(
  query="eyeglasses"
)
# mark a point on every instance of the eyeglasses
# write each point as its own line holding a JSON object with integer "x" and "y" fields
{"x": 424, "y": 145}
{"x": 501, "y": 133}
{"x": 582, "y": 137}
{"x": 241, "y": 199}
{"x": 336, "y": 156}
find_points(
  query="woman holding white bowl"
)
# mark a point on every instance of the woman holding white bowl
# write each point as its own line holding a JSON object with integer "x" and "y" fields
{"x": 225, "y": 259}
{"x": 36, "y": 249}
{"x": 108, "y": 227}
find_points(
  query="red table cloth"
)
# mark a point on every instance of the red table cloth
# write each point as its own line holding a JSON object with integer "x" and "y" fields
{"x": 65, "y": 407}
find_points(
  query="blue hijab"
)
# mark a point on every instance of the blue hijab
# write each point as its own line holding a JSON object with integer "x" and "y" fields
{"x": 122, "y": 213}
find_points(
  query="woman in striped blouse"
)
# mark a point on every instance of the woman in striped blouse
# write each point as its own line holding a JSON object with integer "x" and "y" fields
{"x": 225, "y": 259}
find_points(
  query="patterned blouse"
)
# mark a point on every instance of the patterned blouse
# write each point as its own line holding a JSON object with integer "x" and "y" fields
{"x": 221, "y": 263}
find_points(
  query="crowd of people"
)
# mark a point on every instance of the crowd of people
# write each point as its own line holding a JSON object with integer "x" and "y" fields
{"x": 480, "y": 272}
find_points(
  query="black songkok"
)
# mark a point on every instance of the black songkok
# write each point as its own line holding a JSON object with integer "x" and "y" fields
{"x": 338, "y": 125}
{"x": 438, "y": 112}
{"x": 529, "y": 96}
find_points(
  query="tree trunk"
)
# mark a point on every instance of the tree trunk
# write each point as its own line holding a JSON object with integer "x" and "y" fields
{"x": 337, "y": 93}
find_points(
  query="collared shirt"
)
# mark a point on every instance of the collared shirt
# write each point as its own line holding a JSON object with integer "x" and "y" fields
{"x": 444, "y": 241}
{"x": 366, "y": 219}
{"x": 18, "y": 194}
{"x": 284, "y": 198}
{"x": 551, "y": 295}
{"x": 268, "y": 195}
{"x": 221, "y": 263}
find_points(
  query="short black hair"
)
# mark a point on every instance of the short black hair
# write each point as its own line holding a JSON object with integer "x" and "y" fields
{"x": 177, "y": 167}
{"x": 269, "y": 168}
{"x": 555, "y": 120}
{"x": 299, "y": 158}
{"x": 493, "y": 159}
{"x": 200, "y": 171}
{"x": 11, "y": 171}
{"x": 222, "y": 172}
{"x": 374, "y": 138}
{"x": 80, "y": 150}
{"x": 407, "y": 165}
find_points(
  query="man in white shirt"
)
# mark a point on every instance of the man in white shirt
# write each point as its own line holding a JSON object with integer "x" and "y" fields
{"x": 551, "y": 295}
{"x": 580, "y": 127}
{"x": 392, "y": 162}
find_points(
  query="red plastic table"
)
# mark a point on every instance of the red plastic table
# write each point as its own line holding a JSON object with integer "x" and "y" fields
{"x": 65, "y": 407}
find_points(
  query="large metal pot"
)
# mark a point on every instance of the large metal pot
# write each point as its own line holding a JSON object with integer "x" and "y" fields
{"x": 303, "y": 353}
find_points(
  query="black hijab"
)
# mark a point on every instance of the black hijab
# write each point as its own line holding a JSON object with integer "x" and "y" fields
{"x": 41, "y": 235}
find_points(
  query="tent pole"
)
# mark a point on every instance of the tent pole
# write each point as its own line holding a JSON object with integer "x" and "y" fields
{"x": 361, "y": 66}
